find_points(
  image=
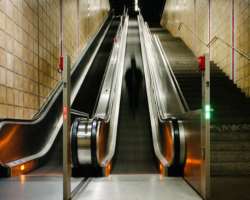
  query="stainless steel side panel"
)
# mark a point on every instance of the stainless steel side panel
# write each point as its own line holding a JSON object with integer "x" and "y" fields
{"x": 194, "y": 157}
{"x": 84, "y": 143}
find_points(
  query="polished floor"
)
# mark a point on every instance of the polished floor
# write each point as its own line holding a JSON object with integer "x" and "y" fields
{"x": 138, "y": 187}
{"x": 120, "y": 187}
{"x": 115, "y": 187}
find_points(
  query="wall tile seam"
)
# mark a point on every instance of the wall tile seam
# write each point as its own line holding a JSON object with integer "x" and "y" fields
{"x": 23, "y": 107}
{"x": 18, "y": 10}
{"x": 52, "y": 22}
{"x": 22, "y": 91}
{"x": 14, "y": 37}
{"x": 17, "y": 23}
{"x": 45, "y": 88}
{"x": 48, "y": 63}
{"x": 17, "y": 115}
{"x": 49, "y": 38}
{"x": 41, "y": 83}
{"x": 20, "y": 74}
{"x": 20, "y": 43}
{"x": 18, "y": 107}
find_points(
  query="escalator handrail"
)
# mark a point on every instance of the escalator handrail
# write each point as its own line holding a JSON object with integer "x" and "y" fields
{"x": 117, "y": 66}
{"x": 170, "y": 71}
{"x": 115, "y": 107}
{"x": 162, "y": 112}
{"x": 57, "y": 90}
{"x": 157, "y": 149}
{"x": 57, "y": 128}
{"x": 109, "y": 98}
{"x": 102, "y": 105}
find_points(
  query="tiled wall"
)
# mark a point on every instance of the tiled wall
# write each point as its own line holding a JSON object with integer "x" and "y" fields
{"x": 242, "y": 41}
{"x": 18, "y": 58}
{"x": 48, "y": 47}
{"x": 221, "y": 26}
{"x": 70, "y": 27}
{"x": 30, "y": 48}
{"x": 190, "y": 20}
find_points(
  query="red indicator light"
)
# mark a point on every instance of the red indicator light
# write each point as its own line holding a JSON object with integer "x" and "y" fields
{"x": 60, "y": 66}
{"x": 65, "y": 112}
{"x": 201, "y": 61}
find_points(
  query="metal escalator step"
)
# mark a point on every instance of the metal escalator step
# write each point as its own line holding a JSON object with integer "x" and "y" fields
{"x": 134, "y": 149}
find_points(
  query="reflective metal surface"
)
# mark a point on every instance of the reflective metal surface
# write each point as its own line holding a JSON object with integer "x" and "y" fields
{"x": 174, "y": 83}
{"x": 114, "y": 101}
{"x": 112, "y": 75}
{"x": 115, "y": 187}
{"x": 165, "y": 92}
{"x": 96, "y": 137}
{"x": 84, "y": 142}
{"x": 182, "y": 142}
{"x": 138, "y": 187}
{"x": 155, "y": 126}
{"x": 164, "y": 104}
{"x": 134, "y": 151}
{"x": 192, "y": 170}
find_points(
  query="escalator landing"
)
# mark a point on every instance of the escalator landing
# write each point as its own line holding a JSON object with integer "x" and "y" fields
{"x": 138, "y": 187}
{"x": 114, "y": 187}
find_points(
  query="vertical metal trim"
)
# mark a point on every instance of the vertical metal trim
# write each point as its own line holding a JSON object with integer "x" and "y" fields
{"x": 38, "y": 56}
{"x": 78, "y": 25}
{"x": 182, "y": 142}
{"x": 209, "y": 26}
{"x": 66, "y": 130}
{"x": 61, "y": 28}
{"x": 205, "y": 131}
{"x": 195, "y": 26}
{"x": 233, "y": 43}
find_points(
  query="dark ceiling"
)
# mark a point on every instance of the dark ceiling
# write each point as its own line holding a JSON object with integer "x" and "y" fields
{"x": 150, "y": 9}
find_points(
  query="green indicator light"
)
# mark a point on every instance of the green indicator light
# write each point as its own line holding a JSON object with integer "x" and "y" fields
{"x": 207, "y": 108}
{"x": 208, "y": 111}
{"x": 207, "y": 115}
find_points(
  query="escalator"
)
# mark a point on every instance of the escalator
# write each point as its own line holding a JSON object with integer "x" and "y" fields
{"x": 230, "y": 118}
{"x": 134, "y": 148}
{"x": 133, "y": 144}
{"x": 185, "y": 68}
{"x": 124, "y": 139}
{"x": 27, "y": 145}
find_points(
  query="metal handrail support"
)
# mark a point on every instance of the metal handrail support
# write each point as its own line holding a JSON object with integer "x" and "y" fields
{"x": 213, "y": 40}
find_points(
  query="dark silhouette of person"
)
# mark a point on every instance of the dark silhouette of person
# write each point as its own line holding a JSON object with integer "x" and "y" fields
{"x": 133, "y": 78}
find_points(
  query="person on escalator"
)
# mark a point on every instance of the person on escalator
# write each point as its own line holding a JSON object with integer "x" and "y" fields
{"x": 133, "y": 78}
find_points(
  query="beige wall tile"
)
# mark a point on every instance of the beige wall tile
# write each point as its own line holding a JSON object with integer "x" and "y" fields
{"x": 29, "y": 48}
{"x": 2, "y": 94}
